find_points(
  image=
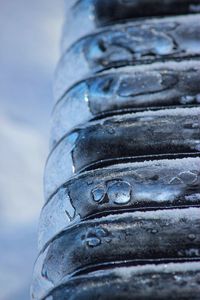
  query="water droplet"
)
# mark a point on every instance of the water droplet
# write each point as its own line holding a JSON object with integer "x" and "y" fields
{"x": 180, "y": 280}
{"x": 190, "y": 124}
{"x": 187, "y": 99}
{"x": 194, "y": 8}
{"x": 191, "y": 237}
{"x": 177, "y": 278}
{"x": 198, "y": 279}
{"x": 108, "y": 240}
{"x": 73, "y": 169}
{"x": 120, "y": 192}
{"x": 107, "y": 85}
{"x": 176, "y": 180}
{"x": 192, "y": 252}
{"x": 100, "y": 232}
{"x": 153, "y": 231}
{"x": 69, "y": 209}
{"x": 194, "y": 197}
{"x": 95, "y": 236}
{"x": 198, "y": 98}
{"x": 44, "y": 272}
{"x": 98, "y": 193}
{"x": 86, "y": 98}
{"x": 110, "y": 129}
{"x": 93, "y": 242}
{"x": 195, "y": 124}
{"x": 197, "y": 147}
{"x": 188, "y": 177}
{"x": 154, "y": 178}
{"x": 72, "y": 138}
{"x": 166, "y": 266}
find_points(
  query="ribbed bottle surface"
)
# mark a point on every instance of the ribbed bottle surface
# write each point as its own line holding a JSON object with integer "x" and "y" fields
{"x": 121, "y": 218}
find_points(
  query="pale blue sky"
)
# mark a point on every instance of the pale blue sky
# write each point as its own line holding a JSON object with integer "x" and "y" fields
{"x": 29, "y": 39}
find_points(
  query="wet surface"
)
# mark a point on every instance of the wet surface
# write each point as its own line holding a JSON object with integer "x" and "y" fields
{"x": 159, "y": 85}
{"x": 121, "y": 182}
{"x": 116, "y": 139}
{"x": 128, "y": 44}
{"x": 143, "y": 186}
{"x": 147, "y": 282}
{"x": 123, "y": 238}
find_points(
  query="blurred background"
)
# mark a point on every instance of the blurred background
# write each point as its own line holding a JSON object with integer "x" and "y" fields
{"x": 29, "y": 38}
